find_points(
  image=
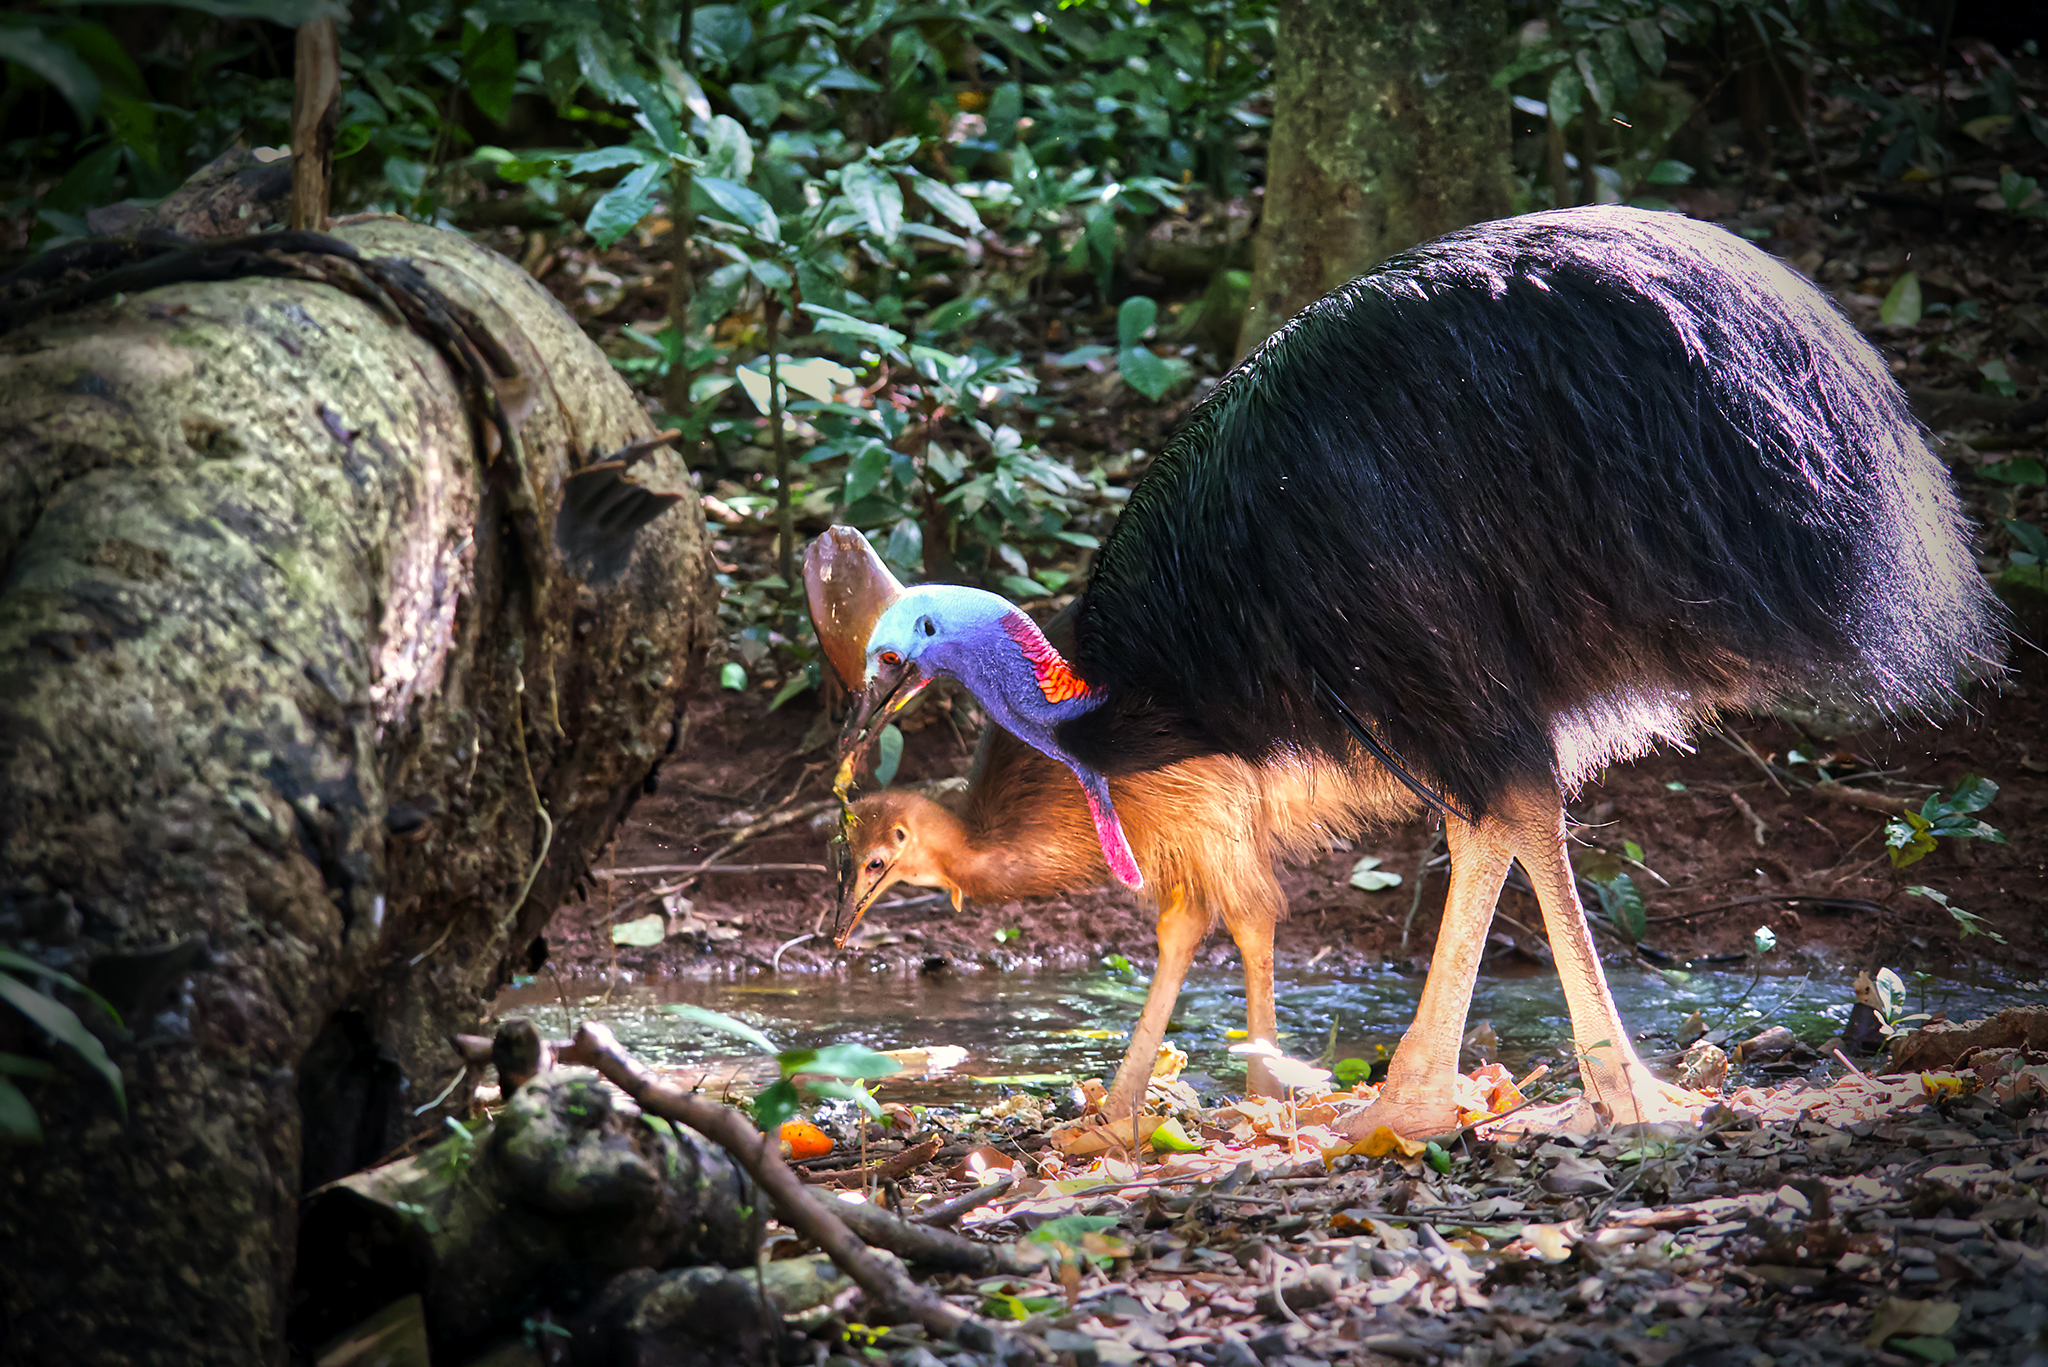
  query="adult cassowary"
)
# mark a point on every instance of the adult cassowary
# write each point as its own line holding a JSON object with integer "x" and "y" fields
{"x": 1514, "y": 505}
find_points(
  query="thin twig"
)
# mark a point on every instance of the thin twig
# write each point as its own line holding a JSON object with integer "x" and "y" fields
{"x": 646, "y": 870}
{"x": 1756, "y": 823}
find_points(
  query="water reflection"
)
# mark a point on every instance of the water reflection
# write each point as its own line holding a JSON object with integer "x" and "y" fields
{"x": 1015, "y": 1025}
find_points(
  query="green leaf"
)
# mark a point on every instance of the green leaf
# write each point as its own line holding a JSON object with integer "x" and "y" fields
{"x": 1623, "y": 903}
{"x": 733, "y": 675}
{"x": 722, "y": 33}
{"x": 1599, "y": 82}
{"x": 1927, "y": 1348}
{"x": 875, "y": 194}
{"x": 838, "y": 1060}
{"x": 776, "y": 1103}
{"x": 18, "y": 1121}
{"x": 1648, "y": 36}
{"x": 1669, "y": 172}
{"x": 1368, "y": 874}
{"x": 888, "y": 754}
{"x": 56, "y": 63}
{"x": 656, "y": 115}
{"x": 719, "y": 1021}
{"x": 840, "y": 1090}
{"x": 622, "y": 207}
{"x": 864, "y": 472}
{"x": 1764, "y": 939}
{"x": 1909, "y": 838}
{"x": 1901, "y": 307}
{"x": 606, "y": 159}
{"x": 1150, "y": 374}
{"x": 1565, "y": 95}
{"x": 2020, "y": 470}
{"x": 490, "y": 69}
{"x": 1133, "y": 320}
{"x": 62, "y": 1024}
{"x": 832, "y": 320}
{"x": 947, "y": 201}
{"x": 2030, "y": 537}
{"x": 642, "y": 931}
{"x": 761, "y": 104}
{"x": 742, "y": 204}
{"x": 14, "y": 1065}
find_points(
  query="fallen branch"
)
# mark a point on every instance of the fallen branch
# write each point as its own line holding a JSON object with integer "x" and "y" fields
{"x": 888, "y": 1170}
{"x": 939, "y": 1249}
{"x": 648, "y": 870}
{"x": 940, "y": 1216}
{"x": 1862, "y": 797}
{"x": 799, "y": 1207}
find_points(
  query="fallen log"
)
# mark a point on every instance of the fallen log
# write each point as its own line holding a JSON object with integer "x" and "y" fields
{"x": 346, "y": 608}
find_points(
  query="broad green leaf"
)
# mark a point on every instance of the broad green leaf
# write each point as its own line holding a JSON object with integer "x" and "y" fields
{"x": 595, "y": 56}
{"x": 743, "y": 204}
{"x": 840, "y": 1090}
{"x": 832, "y": 320}
{"x": 1149, "y": 374}
{"x": 62, "y": 1024}
{"x": 864, "y": 472}
{"x": 947, "y": 201}
{"x": 717, "y": 1020}
{"x": 722, "y": 33}
{"x": 1565, "y": 96}
{"x": 1901, "y": 307}
{"x": 1648, "y": 36}
{"x": 1134, "y": 318}
{"x": 888, "y": 754}
{"x": 728, "y": 151}
{"x": 733, "y": 675}
{"x": 1926, "y": 1347}
{"x": 2019, "y": 470}
{"x": 14, "y": 1065}
{"x": 57, "y": 63}
{"x": 776, "y": 1103}
{"x": 1764, "y": 939}
{"x": 490, "y": 67}
{"x": 839, "y": 1060}
{"x": 2030, "y": 537}
{"x": 18, "y": 1120}
{"x": 762, "y": 104}
{"x": 606, "y": 159}
{"x": 1669, "y": 172}
{"x": 642, "y": 931}
{"x": 876, "y": 195}
{"x": 655, "y": 115}
{"x": 1599, "y": 82}
{"x": 619, "y": 209}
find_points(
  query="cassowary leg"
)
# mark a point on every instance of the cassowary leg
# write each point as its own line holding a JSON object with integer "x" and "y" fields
{"x": 1617, "y": 1082}
{"x": 1419, "y": 1097}
{"x": 1182, "y": 928}
{"x": 1254, "y": 936}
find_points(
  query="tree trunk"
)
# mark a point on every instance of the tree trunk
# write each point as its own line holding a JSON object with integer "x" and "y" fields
{"x": 1386, "y": 132}
{"x": 294, "y": 679}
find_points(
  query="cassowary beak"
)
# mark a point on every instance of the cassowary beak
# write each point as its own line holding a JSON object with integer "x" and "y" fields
{"x": 891, "y": 690}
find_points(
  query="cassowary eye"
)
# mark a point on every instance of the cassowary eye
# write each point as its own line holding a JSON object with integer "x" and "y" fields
{"x": 890, "y": 658}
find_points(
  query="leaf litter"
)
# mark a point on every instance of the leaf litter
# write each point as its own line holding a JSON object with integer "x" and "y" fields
{"x": 1893, "y": 1219}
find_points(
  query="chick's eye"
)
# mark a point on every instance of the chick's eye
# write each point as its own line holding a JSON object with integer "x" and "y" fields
{"x": 874, "y": 866}
{"x": 890, "y": 657}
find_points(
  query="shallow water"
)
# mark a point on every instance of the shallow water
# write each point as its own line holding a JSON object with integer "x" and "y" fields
{"x": 1038, "y": 1029}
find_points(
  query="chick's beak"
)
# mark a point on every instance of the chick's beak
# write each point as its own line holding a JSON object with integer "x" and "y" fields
{"x": 859, "y": 889}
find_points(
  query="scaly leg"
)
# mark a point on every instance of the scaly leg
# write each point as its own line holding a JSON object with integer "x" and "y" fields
{"x": 1418, "y": 1099}
{"x": 1254, "y": 936}
{"x": 1182, "y": 929}
{"x": 1616, "y": 1079}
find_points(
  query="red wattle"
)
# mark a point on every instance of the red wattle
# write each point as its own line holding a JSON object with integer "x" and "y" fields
{"x": 1116, "y": 850}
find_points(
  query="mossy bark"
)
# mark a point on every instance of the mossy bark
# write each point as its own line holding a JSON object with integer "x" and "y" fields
{"x": 261, "y": 606}
{"x": 1387, "y": 132}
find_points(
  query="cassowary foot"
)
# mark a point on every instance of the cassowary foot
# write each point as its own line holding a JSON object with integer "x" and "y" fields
{"x": 1421, "y": 1118}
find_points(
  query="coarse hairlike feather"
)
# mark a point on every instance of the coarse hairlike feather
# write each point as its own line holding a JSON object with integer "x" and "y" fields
{"x": 1530, "y": 498}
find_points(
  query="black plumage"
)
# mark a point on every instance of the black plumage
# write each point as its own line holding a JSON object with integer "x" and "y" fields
{"x": 1529, "y": 498}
